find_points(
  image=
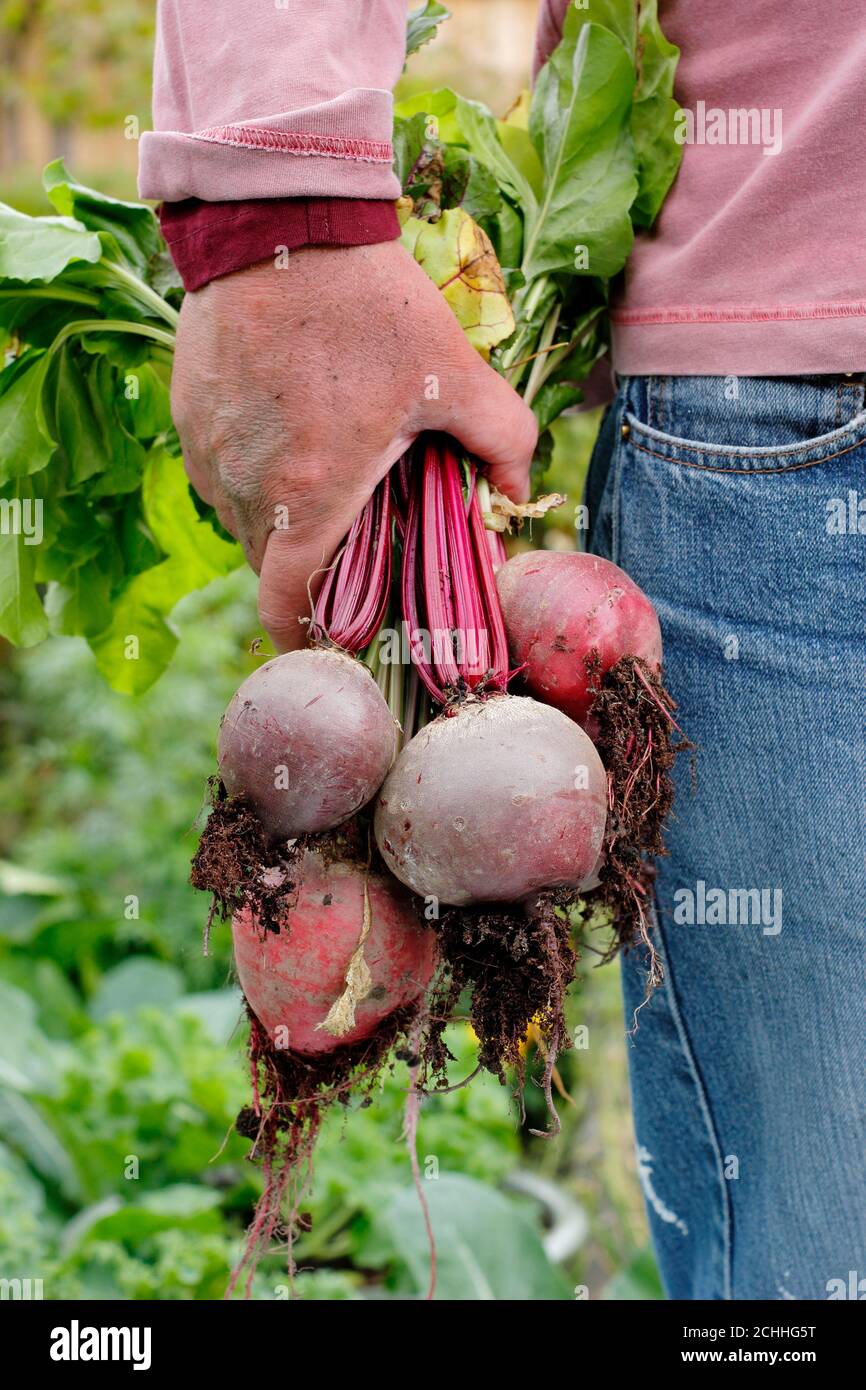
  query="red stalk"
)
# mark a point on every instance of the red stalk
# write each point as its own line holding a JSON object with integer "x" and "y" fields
{"x": 449, "y": 599}
{"x": 354, "y": 595}
{"x": 490, "y": 596}
{"x": 473, "y": 653}
{"x": 411, "y": 566}
{"x": 435, "y": 568}
{"x": 448, "y": 580}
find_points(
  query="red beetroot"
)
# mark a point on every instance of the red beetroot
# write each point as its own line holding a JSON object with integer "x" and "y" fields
{"x": 559, "y": 608}
{"x": 504, "y": 798}
{"x": 293, "y": 977}
{"x": 307, "y": 740}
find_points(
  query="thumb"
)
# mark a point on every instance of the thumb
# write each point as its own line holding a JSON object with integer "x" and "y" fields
{"x": 479, "y": 408}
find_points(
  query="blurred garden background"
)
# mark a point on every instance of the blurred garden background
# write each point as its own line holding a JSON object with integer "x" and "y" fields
{"x": 121, "y": 1047}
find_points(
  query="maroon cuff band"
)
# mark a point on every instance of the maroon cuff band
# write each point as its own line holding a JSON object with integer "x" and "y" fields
{"x": 211, "y": 239}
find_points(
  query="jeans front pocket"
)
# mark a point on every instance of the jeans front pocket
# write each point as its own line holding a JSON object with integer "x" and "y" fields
{"x": 770, "y": 425}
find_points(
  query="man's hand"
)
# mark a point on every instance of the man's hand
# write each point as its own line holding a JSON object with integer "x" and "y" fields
{"x": 295, "y": 390}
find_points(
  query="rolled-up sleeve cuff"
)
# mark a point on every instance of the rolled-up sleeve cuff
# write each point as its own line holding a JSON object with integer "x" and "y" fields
{"x": 207, "y": 240}
{"x": 336, "y": 149}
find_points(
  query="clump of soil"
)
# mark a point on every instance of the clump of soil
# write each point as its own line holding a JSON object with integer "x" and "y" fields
{"x": 638, "y": 740}
{"x": 517, "y": 964}
{"x": 237, "y": 864}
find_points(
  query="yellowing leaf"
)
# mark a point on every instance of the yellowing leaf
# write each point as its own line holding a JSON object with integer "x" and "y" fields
{"x": 503, "y": 511}
{"x": 403, "y": 208}
{"x": 458, "y": 256}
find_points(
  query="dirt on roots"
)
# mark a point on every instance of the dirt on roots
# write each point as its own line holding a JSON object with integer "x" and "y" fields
{"x": 638, "y": 740}
{"x": 516, "y": 964}
{"x": 291, "y": 1093}
{"x": 240, "y": 868}
{"x": 290, "y": 1097}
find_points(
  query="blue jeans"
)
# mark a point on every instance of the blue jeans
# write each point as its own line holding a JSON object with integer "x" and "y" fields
{"x": 739, "y": 506}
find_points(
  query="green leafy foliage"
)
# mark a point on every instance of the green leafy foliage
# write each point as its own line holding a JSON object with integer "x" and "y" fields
{"x": 653, "y": 116}
{"x": 490, "y": 1250}
{"x": 579, "y": 163}
{"x": 410, "y": 147}
{"x": 617, "y": 16}
{"x": 132, "y": 227}
{"x": 86, "y": 437}
{"x": 482, "y": 135}
{"x": 579, "y": 123}
{"x": 138, "y": 643}
{"x": 40, "y": 248}
{"x": 25, "y": 444}
{"x": 639, "y": 1281}
{"x": 422, "y": 24}
{"x": 22, "y": 617}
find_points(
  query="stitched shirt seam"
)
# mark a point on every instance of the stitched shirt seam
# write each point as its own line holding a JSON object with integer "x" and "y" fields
{"x": 640, "y": 318}
{"x": 299, "y": 143}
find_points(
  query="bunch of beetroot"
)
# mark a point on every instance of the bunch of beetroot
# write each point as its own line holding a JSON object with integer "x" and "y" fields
{"x": 411, "y": 815}
{"x": 388, "y": 840}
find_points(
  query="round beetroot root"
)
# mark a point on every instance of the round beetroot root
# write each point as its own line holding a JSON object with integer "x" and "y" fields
{"x": 561, "y": 608}
{"x": 502, "y": 799}
{"x": 292, "y": 978}
{"x": 307, "y": 740}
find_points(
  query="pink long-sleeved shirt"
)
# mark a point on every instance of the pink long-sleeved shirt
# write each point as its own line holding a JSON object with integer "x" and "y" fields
{"x": 273, "y": 99}
{"x": 755, "y": 265}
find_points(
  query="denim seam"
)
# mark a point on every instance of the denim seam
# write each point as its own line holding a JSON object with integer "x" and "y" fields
{"x": 615, "y": 489}
{"x": 855, "y": 427}
{"x": 855, "y": 402}
{"x": 685, "y": 1043}
{"x": 747, "y": 472}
